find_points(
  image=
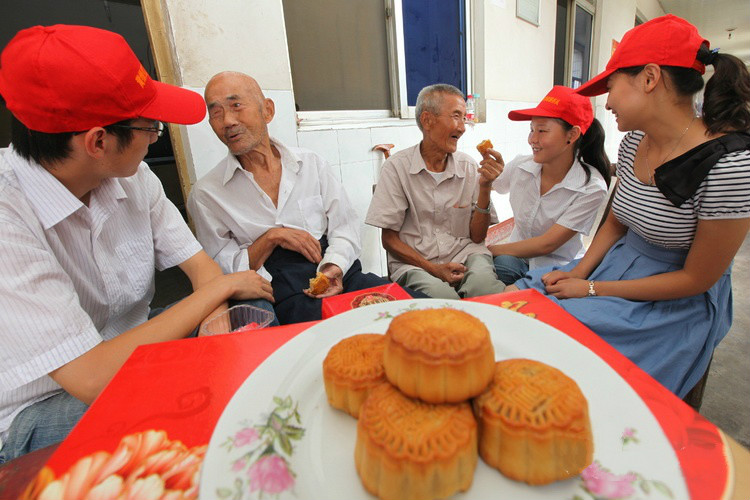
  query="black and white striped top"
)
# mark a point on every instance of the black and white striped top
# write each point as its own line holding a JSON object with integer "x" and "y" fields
{"x": 723, "y": 194}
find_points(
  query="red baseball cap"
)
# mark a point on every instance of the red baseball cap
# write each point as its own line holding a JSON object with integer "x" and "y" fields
{"x": 71, "y": 78}
{"x": 561, "y": 102}
{"x": 666, "y": 41}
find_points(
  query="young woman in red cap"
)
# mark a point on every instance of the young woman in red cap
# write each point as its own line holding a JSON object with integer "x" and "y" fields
{"x": 655, "y": 282}
{"x": 556, "y": 191}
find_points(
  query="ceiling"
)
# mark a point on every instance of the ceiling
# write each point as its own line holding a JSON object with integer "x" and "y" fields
{"x": 714, "y": 19}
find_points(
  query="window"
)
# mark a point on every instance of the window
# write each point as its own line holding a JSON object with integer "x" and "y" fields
{"x": 368, "y": 59}
{"x": 573, "y": 42}
{"x": 435, "y": 45}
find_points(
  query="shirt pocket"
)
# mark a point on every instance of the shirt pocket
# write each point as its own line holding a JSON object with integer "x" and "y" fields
{"x": 459, "y": 219}
{"x": 136, "y": 266}
{"x": 313, "y": 215}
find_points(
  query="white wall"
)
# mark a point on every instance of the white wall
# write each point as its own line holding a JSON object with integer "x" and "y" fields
{"x": 518, "y": 56}
{"x": 238, "y": 35}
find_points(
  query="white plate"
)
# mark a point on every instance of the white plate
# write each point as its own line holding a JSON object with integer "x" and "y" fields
{"x": 628, "y": 442}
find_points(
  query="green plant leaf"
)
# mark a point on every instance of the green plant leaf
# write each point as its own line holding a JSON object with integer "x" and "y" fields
{"x": 294, "y": 432}
{"x": 645, "y": 487}
{"x": 286, "y": 445}
{"x": 223, "y": 492}
{"x": 663, "y": 488}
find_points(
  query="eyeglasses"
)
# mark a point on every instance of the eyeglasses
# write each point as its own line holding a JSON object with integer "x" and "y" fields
{"x": 157, "y": 129}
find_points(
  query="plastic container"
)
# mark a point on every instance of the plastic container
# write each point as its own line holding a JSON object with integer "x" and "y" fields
{"x": 240, "y": 318}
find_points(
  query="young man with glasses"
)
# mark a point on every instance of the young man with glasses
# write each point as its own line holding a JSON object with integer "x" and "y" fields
{"x": 83, "y": 224}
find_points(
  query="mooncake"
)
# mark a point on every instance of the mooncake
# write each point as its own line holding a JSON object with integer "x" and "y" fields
{"x": 438, "y": 355}
{"x": 534, "y": 423}
{"x": 484, "y": 146}
{"x": 408, "y": 449}
{"x": 351, "y": 369}
{"x": 319, "y": 284}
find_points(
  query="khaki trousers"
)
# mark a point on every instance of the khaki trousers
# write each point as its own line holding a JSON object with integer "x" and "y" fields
{"x": 479, "y": 279}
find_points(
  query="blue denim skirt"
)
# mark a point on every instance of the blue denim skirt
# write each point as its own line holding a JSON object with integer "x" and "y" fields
{"x": 672, "y": 340}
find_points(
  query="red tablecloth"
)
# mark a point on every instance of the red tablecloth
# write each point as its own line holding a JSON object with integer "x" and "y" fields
{"x": 182, "y": 388}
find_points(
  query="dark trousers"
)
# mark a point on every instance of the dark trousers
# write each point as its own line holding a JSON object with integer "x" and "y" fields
{"x": 291, "y": 273}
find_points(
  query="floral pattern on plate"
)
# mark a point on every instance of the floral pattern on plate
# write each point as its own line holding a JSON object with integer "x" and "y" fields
{"x": 599, "y": 483}
{"x": 261, "y": 453}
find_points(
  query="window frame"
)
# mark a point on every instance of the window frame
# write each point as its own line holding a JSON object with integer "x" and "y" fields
{"x": 590, "y": 7}
{"x": 399, "y": 110}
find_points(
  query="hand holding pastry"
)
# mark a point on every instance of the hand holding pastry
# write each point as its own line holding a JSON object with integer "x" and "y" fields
{"x": 328, "y": 282}
{"x": 492, "y": 164}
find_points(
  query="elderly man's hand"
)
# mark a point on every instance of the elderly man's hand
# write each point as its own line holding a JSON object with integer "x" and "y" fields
{"x": 298, "y": 241}
{"x": 335, "y": 278}
{"x": 450, "y": 272}
{"x": 491, "y": 167}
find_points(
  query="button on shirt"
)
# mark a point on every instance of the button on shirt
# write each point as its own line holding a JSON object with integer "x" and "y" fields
{"x": 231, "y": 211}
{"x": 572, "y": 203}
{"x": 72, "y": 275}
{"x": 431, "y": 217}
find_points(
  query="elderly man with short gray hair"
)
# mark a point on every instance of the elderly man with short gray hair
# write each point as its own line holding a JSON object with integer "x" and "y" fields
{"x": 433, "y": 205}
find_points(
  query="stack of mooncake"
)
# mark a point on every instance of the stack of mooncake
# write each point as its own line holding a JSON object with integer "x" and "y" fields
{"x": 429, "y": 397}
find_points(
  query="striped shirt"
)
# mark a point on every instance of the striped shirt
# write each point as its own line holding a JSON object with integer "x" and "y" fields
{"x": 723, "y": 194}
{"x": 74, "y": 275}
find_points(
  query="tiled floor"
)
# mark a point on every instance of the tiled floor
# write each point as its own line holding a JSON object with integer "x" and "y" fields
{"x": 726, "y": 401}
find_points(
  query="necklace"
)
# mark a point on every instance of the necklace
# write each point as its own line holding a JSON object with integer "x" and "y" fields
{"x": 651, "y": 171}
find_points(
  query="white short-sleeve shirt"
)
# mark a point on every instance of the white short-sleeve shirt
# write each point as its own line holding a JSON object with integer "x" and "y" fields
{"x": 572, "y": 203}
{"x": 74, "y": 275}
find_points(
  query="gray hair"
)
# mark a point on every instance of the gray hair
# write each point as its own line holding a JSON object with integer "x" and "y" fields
{"x": 430, "y": 99}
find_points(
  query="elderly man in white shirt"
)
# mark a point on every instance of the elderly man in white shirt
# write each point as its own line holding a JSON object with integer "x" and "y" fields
{"x": 275, "y": 209}
{"x": 83, "y": 224}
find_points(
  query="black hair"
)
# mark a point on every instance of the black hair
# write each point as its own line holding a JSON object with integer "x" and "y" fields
{"x": 48, "y": 149}
{"x": 726, "y": 100}
{"x": 590, "y": 150}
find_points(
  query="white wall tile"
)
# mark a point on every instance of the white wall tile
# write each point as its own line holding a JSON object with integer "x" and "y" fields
{"x": 355, "y": 145}
{"x": 323, "y": 142}
{"x": 387, "y": 135}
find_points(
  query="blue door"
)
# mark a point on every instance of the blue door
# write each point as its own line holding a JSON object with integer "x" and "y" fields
{"x": 435, "y": 44}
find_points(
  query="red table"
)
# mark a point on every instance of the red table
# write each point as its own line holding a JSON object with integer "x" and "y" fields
{"x": 182, "y": 388}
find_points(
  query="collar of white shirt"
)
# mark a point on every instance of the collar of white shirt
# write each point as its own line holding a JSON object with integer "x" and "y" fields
{"x": 51, "y": 200}
{"x": 574, "y": 180}
{"x": 288, "y": 159}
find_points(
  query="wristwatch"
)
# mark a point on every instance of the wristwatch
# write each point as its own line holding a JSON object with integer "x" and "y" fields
{"x": 481, "y": 210}
{"x": 592, "y": 291}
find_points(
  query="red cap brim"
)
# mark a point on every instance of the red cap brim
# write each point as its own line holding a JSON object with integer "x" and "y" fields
{"x": 597, "y": 85}
{"x": 527, "y": 114}
{"x": 173, "y": 104}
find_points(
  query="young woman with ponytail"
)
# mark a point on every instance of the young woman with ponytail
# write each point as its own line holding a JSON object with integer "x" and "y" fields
{"x": 556, "y": 191}
{"x": 655, "y": 281}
